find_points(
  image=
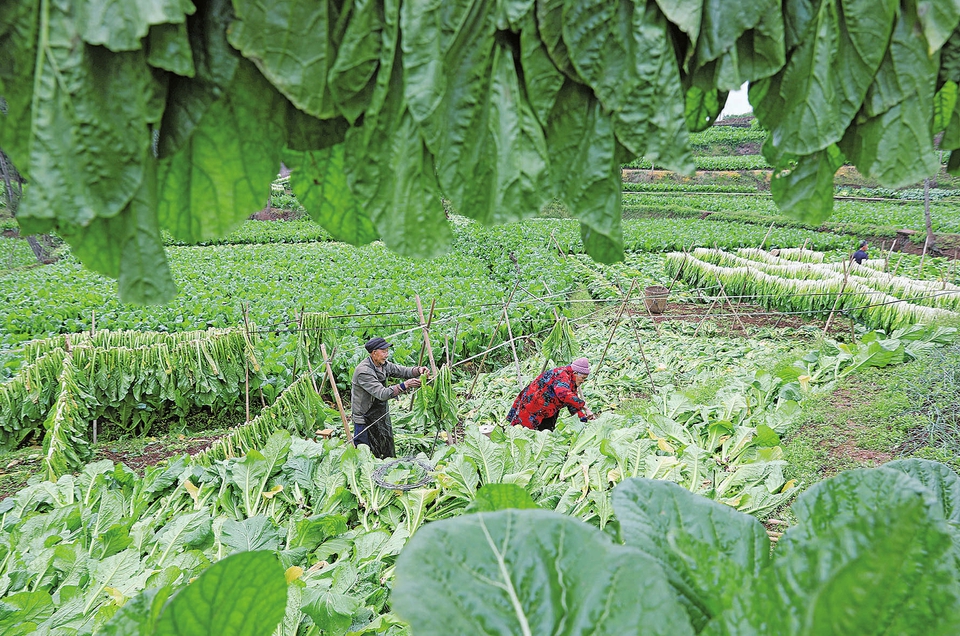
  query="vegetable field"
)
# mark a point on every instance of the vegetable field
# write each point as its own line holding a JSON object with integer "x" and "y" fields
{"x": 495, "y": 188}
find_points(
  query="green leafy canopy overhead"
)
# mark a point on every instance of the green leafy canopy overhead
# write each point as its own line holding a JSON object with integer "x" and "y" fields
{"x": 126, "y": 118}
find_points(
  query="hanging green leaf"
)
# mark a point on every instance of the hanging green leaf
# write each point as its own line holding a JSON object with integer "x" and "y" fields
{"x": 739, "y": 44}
{"x": 938, "y": 18}
{"x": 643, "y": 92}
{"x": 580, "y": 137}
{"x": 541, "y": 78}
{"x": 390, "y": 169}
{"x": 944, "y": 104}
{"x": 805, "y": 190}
{"x": 893, "y": 142}
{"x": 488, "y": 144}
{"x": 223, "y": 173}
{"x": 120, "y": 25}
{"x": 809, "y": 103}
{"x": 351, "y": 77}
{"x": 168, "y": 47}
{"x": 215, "y": 63}
{"x": 318, "y": 179}
{"x": 299, "y": 68}
{"x": 88, "y": 130}
{"x": 702, "y": 108}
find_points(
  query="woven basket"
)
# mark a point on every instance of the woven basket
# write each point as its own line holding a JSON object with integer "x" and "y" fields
{"x": 655, "y": 298}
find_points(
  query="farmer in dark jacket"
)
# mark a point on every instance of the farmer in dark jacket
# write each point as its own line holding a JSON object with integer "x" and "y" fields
{"x": 369, "y": 395}
{"x": 538, "y": 405}
{"x": 861, "y": 254}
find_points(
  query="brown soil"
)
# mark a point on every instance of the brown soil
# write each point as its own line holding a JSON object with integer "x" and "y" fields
{"x": 273, "y": 214}
{"x": 749, "y": 148}
{"x": 14, "y": 233}
{"x": 748, "y": 315}
{"x": 14, "y": 473}
{"x": 153, "y": 453}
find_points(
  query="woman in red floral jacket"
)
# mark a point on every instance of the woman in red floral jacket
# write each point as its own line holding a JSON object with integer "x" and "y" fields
{"x": 538, "y": 405}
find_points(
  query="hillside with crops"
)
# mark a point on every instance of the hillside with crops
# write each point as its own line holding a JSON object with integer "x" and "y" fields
{"x": 650, "y": 369}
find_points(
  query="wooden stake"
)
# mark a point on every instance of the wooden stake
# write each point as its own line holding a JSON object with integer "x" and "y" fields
{"x": 423, "y": 348}
{"x": 490, "y": 344}
{"x": 513, "y": 346}
{"x": 93, "y": 322}
{"x": 767, "y": 235}
{"x": 923, "y": 256}
{"x": 837, "y": 301}
{"x": 616, "y": 322}
{"x": 897, "y": 266}
{"x": 426, "y": 335}
{"x": 730, "y": 303}
{"x": 636, "y": 332}
{"x": 336, "y": 392}
{"x": 704, "y": 318}
{"x": 246, "y": 390}
{"x": 557, "y": 243}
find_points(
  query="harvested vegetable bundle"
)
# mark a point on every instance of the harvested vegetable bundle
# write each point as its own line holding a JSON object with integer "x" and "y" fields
{"x": 560, "y": 345}
{"x": 435, "y": 403}
{"x": 313, "y": 329}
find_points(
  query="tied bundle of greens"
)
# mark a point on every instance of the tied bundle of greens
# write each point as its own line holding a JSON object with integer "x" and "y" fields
{"x": 560, "y": 345}
{"x": 435, "y": 403}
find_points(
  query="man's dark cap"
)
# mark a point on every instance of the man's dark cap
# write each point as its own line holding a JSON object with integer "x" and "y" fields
{"x": 376, "y": 343}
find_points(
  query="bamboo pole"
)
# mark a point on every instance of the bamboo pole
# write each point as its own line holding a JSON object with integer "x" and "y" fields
{"x": 897, "y": 266}
{"x": 513, "y": 346}
{"x": 93, "y": 332}
{"x": 490, "y": 344}
{"x": 767, "y": 235}
{"x": 837, "y": 301}
{"x": 426, "y": 336}
{"x": 704, "y": 317}
{"x": 433, "y": 304}
{"x": 636, "y": 333}
{"x": 557, "y": 243}
{"x": 923, "y": 256}
{"x": 616, "y": 322}
{"x": 336, "y": 392}
{"x": 730, "y": 303}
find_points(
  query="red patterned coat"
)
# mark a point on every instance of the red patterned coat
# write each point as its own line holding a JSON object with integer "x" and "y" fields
{"x": 544, "y": 397}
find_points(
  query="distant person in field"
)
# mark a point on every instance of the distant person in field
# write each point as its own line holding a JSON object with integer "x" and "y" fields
{"x": 538, "y": 405}
{"x": 369, "y": 395}
{"x": 861, "y": 254}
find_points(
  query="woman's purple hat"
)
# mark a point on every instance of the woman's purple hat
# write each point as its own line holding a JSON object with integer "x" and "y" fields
{"x": 581, "y": 365}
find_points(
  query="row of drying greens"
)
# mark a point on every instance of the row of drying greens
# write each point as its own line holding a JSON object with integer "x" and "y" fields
{"x": 125, "y": 380}
{"x": 875, "y": 298}
{"x": 76, "y": 550}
